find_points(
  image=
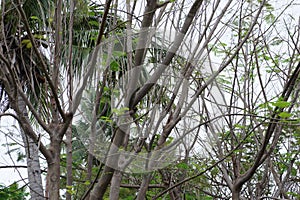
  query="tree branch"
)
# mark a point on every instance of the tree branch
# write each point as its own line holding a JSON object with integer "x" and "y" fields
{"x": 38, "y": 53}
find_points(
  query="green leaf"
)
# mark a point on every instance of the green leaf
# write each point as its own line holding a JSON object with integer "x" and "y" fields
{"x": 70, "y": 189}
{"x": 281, "y": 104}
{"x": 114, "y": 66}
{"x": 21, "y": 156}
{"x": 183, "y": 166}
{"x": 267, "y": 57}
{"x": 28, "y": 45}
{"x": 34, "y": 18}
{"x": 25, "y": 41}
{"x": 239, "y": 126}
{"x": 38, "y": 36}
{"x": 94, "y": 23}
{"x": 284, "y": 115}
{"x": 87, "y": 183}
{"x": 264, "y": 105}
{"x": 294, "y": 172}
{"x": 116, "y": 92}
{"x": 120, "y": 111}
{"x": 270, "y": 18}
{"x": 118, "y": 54}
{"x": 107, "y": 119}
{"x": 106, "y": 89}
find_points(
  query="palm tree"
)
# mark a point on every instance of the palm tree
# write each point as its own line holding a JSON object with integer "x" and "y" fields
{"x": 28, "y": 83}
{"x": 16, "y": 51}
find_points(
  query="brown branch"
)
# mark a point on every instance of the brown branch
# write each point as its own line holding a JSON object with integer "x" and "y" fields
{"x": 260, "y": 158}
{"x": 209, "y": 168}
{"x": 146, "y": 23}
{"x": 38, "y": 53}
{"x": 25, "y": 125}
{"x": 103, "y": 23}
{"x": 13, "y": 166}
{"x": 170, "y": 54}
{"x": 57, "y": 41}
{"x": 93, "y": 57}
{"x": 196, "y": 175}
{"x": 138, "y": 186}
{"x": 33, "y": 111}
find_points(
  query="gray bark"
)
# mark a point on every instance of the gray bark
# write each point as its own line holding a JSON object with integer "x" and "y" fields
{"x": 53, "y": 175}
{"x": 144, "y": 187}
{"x": 236, "y": 192}
{"x": 33, "y": 162}
{"x": 115, "y": 185}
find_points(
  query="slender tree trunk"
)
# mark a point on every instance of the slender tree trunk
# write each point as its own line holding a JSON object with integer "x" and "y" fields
{"x": 69, "y": 162}
{"x": 70, "y": 90}
{"x": 144, "y": 187}
{"x": 92, "y": 138}
{"x": 53, "y": 175}
{"x": 115, "y": 185}
{"x": 112, "y": 161}
{"x": 32, "y": 158}
{"x": 100, "y": 187}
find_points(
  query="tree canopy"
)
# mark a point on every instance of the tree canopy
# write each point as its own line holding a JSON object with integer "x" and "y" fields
{"x": 174, "y": 99}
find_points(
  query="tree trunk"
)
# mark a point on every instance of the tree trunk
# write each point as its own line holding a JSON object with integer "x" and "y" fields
{"x": 100, "y": 187}
{"x": 32, "y": 158}
{"x": 236, "y": 192}
{"x": 115, "y": 185}
{"x": 53, "y": 175}
{"x": 69, "y": 162}
{"x": 144, "y": 187}
{"x": 112, "y": 161}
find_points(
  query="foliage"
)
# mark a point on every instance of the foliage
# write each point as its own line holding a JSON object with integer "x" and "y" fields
{"x": 202, "y": 95}
{"x": 13, "y": 192}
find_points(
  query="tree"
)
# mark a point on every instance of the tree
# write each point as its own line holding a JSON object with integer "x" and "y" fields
{"x": 16, "y": 47}
{"x": 157, "y": 100}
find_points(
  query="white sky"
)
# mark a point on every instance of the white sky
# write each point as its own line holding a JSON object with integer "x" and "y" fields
{"x": 10, "y": 175}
